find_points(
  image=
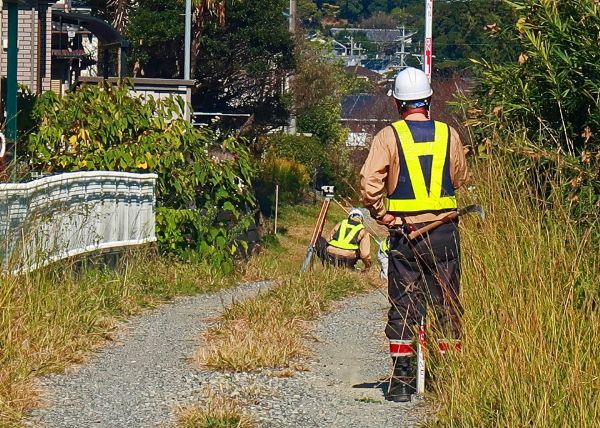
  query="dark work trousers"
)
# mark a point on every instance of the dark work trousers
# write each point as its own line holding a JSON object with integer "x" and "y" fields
{"x": 423, "y": 272}
{"x": 331, "y": 259}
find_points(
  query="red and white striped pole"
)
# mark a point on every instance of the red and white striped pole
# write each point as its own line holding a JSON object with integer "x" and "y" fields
{"x": 427, "y": 68}
{"x": 421, "y": 359}
{"x": 428, "y": 54}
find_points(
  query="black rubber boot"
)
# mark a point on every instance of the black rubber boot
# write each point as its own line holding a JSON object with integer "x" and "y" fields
{"x": 400, "y": 387}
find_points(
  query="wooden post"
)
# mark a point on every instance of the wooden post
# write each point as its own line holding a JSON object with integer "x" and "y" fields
{"x": 276, "y": 206}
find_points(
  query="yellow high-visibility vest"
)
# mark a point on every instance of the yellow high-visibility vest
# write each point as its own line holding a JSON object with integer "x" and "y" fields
{"x": 346, "y": 237}
{"x": 424, "y": 162}
{"x": 385, "y": 245}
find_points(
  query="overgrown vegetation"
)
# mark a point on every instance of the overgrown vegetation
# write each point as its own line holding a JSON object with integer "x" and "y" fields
{"x": 531, "y": 275}
{"x": 204, "y": 194}
{"x": 544, "y": 107}
{"x": 318, "y": 151}
{"x": 292, "y": 177}
{"x": 53, "y": 317}
{"x": 270, "y": 330}
{"x": 531, "y": 324}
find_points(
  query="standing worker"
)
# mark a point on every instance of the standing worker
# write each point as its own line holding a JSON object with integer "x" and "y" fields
{"x": 347, "y": 243}
{"x": 408, "y": 181}
{"x": 383, "y": 258}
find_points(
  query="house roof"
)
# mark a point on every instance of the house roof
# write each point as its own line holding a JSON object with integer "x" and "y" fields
{"x": 368, "y": 113}
{"x": 361, "y": 71}
{"x": 105, "y": 32}
{"x": 369, "y": 108}
{"x": 377, "y": 35}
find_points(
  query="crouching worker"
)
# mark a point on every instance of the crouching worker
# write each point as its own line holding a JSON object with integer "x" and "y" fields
{"x": 347, "y": 243}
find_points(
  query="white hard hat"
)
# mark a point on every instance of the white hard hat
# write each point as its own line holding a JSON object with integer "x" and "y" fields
{"x": 412, "y": 84}
{"x": 355, "y": 212}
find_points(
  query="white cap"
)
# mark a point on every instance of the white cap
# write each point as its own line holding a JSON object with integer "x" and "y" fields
{"x": 355, "y": 212}
{"x": 412, "y": 84}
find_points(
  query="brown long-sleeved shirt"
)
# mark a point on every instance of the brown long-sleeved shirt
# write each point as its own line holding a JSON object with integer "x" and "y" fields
{"x": 364, "y": 246}
{"x": 379, "y": 174}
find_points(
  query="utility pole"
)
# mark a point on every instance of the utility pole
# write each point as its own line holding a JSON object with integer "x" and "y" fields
{"x": 403, "y": 48}
{"x": 11, "y": 78}
{"x": 188, "y": 39}
{"x": 428, "y": 55}
{"x": 290, "y": 79}
{"x": 293, "y": 9}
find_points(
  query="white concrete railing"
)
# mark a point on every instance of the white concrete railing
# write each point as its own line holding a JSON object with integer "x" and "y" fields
{"x": 69, "y": 214}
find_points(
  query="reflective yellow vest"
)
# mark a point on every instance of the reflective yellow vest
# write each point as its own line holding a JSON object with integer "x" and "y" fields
{"x": 346, "y": 237}
{"x": 385, "y": 245}
{"x": 424, "y": 182}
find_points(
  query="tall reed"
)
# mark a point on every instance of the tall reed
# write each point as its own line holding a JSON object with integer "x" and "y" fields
{"x": 531, "y": 354}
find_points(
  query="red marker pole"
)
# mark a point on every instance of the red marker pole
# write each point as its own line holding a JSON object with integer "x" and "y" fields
{"x": 427, "y": 68}
{"x": 428, "y": 54}
{"x": 421, "y": 359}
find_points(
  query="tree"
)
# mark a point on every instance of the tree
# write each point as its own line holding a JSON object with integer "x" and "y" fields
{"x": 120, "y": 10}
{"x": 381, "y": 20}
{"x": 245, "y": 61}
{"x": 203, "y": 12}
{"x": 156, "y": 35}
{"x": 350, "y": 9}
{"x": 308, "y": 12}
{"x": 473, "y": 29}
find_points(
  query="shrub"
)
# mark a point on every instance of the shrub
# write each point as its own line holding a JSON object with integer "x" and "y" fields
{"x": 292, "y": 177}
{"x": 327, "y": 164}
{"x": 309, "y": 151}
{"x": 199, "y": 194}
{"x": 550, "y": 95}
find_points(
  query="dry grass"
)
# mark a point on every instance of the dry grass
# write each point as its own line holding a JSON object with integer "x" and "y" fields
{"x": 270, "y": 330}
{"x": 217, "y": 412}
{"x": 532, "y": 325}
{"x": 53, "y": 317}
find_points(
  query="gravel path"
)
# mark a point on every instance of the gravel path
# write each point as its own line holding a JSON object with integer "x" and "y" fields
{"x": 142, "y": 377}
{"x": 344, "y": 383}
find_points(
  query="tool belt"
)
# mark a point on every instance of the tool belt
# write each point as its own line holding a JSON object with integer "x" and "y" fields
{"x": 405, "y": 229}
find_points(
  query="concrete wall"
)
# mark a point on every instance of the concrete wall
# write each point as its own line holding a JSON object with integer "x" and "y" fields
{"x": 29, "y": 56}
{"x": 68, "y": 214}
{"x": 156, "y": 88}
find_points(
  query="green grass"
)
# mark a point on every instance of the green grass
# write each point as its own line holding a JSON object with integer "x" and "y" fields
{"x": 532, "y": 325}
{"x": 55, "y": 316}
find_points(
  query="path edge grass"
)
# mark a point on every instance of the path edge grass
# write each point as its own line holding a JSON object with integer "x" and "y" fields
{"x": 57, "y": 316}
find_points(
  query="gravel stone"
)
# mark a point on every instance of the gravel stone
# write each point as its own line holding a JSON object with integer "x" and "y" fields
{"x": 144, "y": 376}
{"x": 345, "y": 379}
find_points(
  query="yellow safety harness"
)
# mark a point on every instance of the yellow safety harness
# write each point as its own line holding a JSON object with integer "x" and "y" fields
{"x": 440, "y": 195}
{"x": 346, "y": 236}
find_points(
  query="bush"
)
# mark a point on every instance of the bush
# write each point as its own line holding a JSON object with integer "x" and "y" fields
{"x": 327, "y": 164}
{"x": 203, "y": 185}
{"x": 292, "y": 177}
{"x": 308, "y": 151}
{"x": 550, "y": 95}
